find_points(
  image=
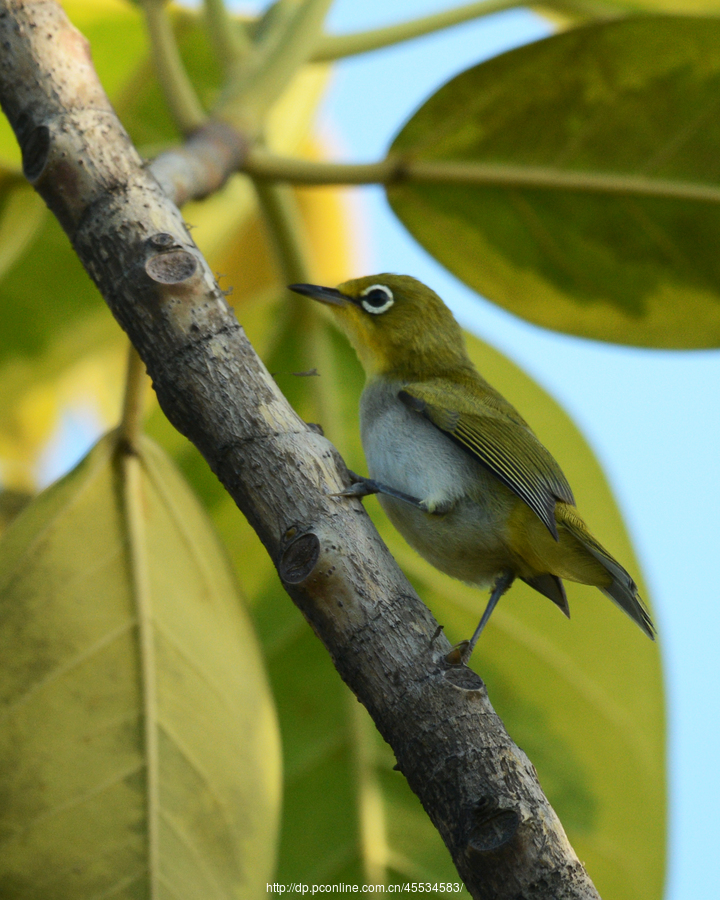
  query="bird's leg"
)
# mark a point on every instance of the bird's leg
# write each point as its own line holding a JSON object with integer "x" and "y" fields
{"x": 461, "y": 653}
{"x": 363, "y": 487}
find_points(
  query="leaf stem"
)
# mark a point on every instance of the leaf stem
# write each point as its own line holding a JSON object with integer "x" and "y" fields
{"x": 395, "y": 170}
{"x": 131, "y": 474}
{"x": 287, "y": 233}
{"x": 286, "y": 230}
{"x": 337, "y": 46}
{"x": 229, "y": 36}
{"x": 134, "y": 401}
{"x": 289, "y": 42}
{"x": 341, "y": 45}
{"x": 263, "y": 165}
{"x": 176, "y": 86}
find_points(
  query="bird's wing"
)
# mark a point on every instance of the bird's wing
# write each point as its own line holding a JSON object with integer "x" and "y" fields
{"x": 494, "y": 434}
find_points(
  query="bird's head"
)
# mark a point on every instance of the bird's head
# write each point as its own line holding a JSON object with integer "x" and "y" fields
{"x": 398, "y": 326}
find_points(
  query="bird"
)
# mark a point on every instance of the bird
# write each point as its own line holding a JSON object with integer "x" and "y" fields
{"x": 458, "y": 471}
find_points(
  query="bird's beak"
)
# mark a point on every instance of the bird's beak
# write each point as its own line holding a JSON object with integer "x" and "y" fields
{"x": 323, "y": 294}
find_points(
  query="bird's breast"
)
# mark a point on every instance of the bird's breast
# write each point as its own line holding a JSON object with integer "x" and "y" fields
{"x": 407, "y": 452}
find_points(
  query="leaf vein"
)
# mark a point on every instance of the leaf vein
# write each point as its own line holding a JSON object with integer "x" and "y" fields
{"x": 187, "y": 755}
{"x": 68, "y": 666}
{"x": 186, "y": 841}
{"x": 118, "y": 886}
{"x": 194, "y": 665}
{"x": 79, "y": 799}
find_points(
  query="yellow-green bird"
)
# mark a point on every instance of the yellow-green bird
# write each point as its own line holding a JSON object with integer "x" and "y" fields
{"x": 459, "y": 472}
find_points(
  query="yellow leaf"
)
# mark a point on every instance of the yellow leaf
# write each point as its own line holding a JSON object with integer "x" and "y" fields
{"x": 139, "y": 744}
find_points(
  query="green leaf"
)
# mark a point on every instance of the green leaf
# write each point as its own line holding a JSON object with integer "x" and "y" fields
{"x": 12, "y": 504}
{"x": 139, "y": 744}
{"x": 628, "y": 106}
{"x": 55, "y": 298}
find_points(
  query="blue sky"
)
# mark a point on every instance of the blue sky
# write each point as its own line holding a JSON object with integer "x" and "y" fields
{"x": 651, "y": 416}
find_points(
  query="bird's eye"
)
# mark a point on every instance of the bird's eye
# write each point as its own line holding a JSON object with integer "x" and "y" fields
{"x": 377, "y": 298}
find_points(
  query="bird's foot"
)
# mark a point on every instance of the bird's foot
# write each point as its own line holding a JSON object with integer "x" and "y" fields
{"x": 460, "y": 654}
{"x": 363, "y": 487}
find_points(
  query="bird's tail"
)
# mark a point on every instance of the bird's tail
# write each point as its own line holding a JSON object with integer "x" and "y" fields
{"x": 622, "y": 590}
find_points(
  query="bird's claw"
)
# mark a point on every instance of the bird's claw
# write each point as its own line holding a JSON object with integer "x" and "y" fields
{"x": 358, "y": 489}
{"x": 459, "y": 654}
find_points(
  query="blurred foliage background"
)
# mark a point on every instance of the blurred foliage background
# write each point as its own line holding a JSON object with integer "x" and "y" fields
{"x": 603, "y": 145}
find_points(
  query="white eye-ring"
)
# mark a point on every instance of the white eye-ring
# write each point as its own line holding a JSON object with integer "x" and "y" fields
{"x": 377, "y": 298}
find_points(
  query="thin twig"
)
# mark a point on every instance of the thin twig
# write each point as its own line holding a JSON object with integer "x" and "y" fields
{"x": 337, "y": 46}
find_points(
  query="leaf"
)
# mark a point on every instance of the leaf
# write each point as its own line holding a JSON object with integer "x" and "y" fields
{"x": 634, "y": 100}
{"x": 139, "y": 745}
{"x": 11, "y": 504}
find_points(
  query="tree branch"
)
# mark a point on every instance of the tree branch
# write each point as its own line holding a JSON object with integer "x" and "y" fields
{"x": 479, "y": 789}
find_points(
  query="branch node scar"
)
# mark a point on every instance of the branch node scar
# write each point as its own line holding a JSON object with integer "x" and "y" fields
{"x": 163, "y": 240}
{"x": 171, "y": 267}
{"x": 299, "y": 558}
{"x": 35, "y": 152}
{"x": 492, "y": 826}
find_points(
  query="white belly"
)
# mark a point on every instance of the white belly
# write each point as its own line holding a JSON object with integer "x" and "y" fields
{"x": 407, "y": 452}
